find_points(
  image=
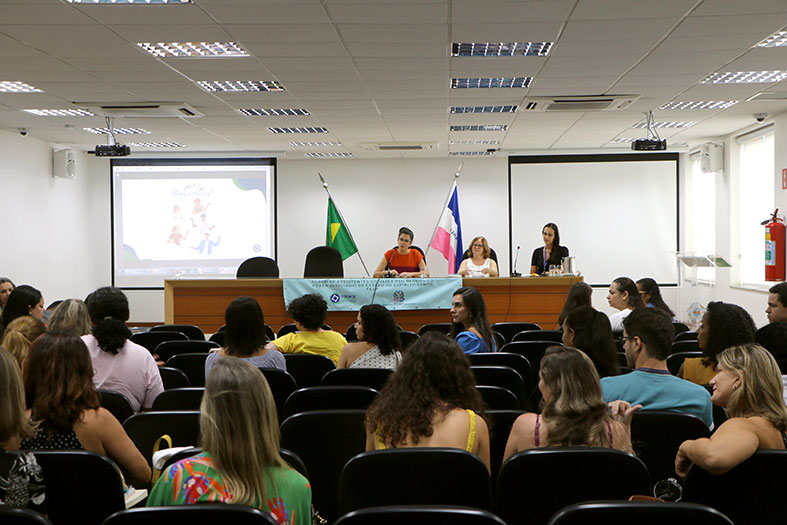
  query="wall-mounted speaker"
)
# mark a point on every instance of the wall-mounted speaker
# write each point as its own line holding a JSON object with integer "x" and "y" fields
{"x": 64, "y": 164}
{"x": 711, "y": 157}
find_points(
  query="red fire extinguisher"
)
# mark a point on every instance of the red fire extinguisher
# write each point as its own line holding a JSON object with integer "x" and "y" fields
{"x": 774, "y": 248}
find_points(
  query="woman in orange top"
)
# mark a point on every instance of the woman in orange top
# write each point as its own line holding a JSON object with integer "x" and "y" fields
{"x": 402, "y": 261}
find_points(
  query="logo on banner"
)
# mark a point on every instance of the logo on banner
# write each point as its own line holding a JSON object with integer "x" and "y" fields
{"x": 335, "y": 298}
{"x": 398, "y": 296}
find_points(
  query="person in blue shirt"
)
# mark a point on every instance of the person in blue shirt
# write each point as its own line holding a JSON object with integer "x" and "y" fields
{"x": 469, "y": 324}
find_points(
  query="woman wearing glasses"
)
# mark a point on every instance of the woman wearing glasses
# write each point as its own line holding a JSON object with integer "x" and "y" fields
{"x": 479, "y": 264}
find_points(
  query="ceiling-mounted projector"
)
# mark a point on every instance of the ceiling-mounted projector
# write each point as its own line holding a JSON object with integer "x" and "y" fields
{"x": 649, "y": 145}
{"x": 112, "y": 150}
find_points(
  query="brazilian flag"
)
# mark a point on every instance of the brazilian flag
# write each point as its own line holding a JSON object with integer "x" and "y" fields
{"x": 337, "y": 236}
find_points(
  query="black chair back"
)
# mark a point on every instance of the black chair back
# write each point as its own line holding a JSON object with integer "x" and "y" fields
{"x": 433, "y": 514}
{"x": 498, "y": 398}
{"x": 151, "y": 340}
{"x": 258, "y": 267}
{"x": 193, "y": 365}
{"x": 539, "y": 335}
{"x": 117, "y": 404}
{"x": 329, "y": 398}
{"x": 323, "y": 261}
{"x": 516, "y": 361}
{"x": 639, "y": 512}
{"x": 689, "y": 345}
{"x": 308, "y": 369}
{"x": 20, "y": 516}
{"x": 191, "y": 331}
{"x": 200, "y": 513}
{"x": 680, "y": 327}
{"x": 286, "y": 329}
{"x": 146, "y": 428}
{"x": 289, "y": 457}
{"x": 282, "y": 384}
{"x": 500, "y": 423}
{"x": 504, "y": 377}
{"x": 372, "y": 377}
{"x": 167, "y": 349}
{"x": 509, "y": 329}
{"x": 469, "y": 253}
{"x": 686, "y": 336}
{"x": 178, "y": 399}
{"x": 408, "y": 338}
{"x": 675, "y": 360}
{"x": 218, "y": 338}
{"x": 414, "y": 476}
{"x": 443, "y": 328}
{"x": 173, "y": 377}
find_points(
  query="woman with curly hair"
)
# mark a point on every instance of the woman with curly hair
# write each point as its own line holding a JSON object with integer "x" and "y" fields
{"x": 20, "y": 334}
{"x": 574, "y": 412}
{"x": 651, "y": 295}
{"x": 748, "y": 384}
{"x": 430, "y": 401}
{"x": 378, "y": 341}
{"x": 469, "y": 323}
{"x": 60, "y": 394}
{"x": 723, "y": 325}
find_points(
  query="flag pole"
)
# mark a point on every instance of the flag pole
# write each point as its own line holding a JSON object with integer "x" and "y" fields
{"x": 450, "y": 192}
{"x": 325, "y": 185}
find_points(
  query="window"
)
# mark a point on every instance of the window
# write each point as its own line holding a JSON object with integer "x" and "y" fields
{"x": 701, "y": 237}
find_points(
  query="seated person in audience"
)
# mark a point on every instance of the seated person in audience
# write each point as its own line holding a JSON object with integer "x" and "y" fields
{"x": 748, "y": 384}
{"x": 651, "y": 295}
{"x": 309, "y": 313}
{"x": 119, "y": 364}
{"x": 479, "y": 264}
{"x": 23, "y": 300}
{"x": 777, "y": 303}
{"x": 378, "y": 343}
{"x": 589, "y": 330}
{"x": 723, "y": 325}
{"x": 20, "y": 334}
{"x": 648, "y": 336}
{"x": 773, "y": 337}
{"x": 581, "y": 294}
{"x": 245, "y": 337}
{"x": 72, "y": 316}
{"x": 240, "y": 462}
{"x": 402, "y": 261}
{"x": 21, "y": 479}
{"x": 6, "y": 287}
{"x": 430, "y": 401}
{"x": 574, "y": 412}
{"x": 65, "y": 405}
{"x": 623, "y": 296}
{"x": 469, "y": 324}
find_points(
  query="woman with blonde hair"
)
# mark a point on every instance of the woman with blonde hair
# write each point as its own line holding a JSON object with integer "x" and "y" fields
{"x": 748, "y": 383}
{"x": 574, "y": 412}
{"x": 71, "y": 316}
{"x": 20, "y": 334}
{"x": 479, "y": 263}
{"x": 240, "y": 462}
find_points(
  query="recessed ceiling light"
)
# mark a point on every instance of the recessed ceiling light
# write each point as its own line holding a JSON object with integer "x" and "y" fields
{"x": 60, "y": 112}
{"x": 470, "y": 153}
{"x": 328, "y": 155}
{"x": 273, "y": 112}
{"x": 298, "y": 130}
{"x": 194, "y": 49}
{"x": 7, "y": 86}
{"x": 484, "y": 109}
{"x": 499, "y": 82}
{"x": 644, "y": 125}
{"x": 700, "y": 104}
{"x": 622, "y": 140}
{"x": 501, "y": 49}
{"x": 474, "y": 142}
{"x": 314, "y": 144}
{"x": 778, "y": 39}
{"x": 745, "y": 77}
{"x": 487, "y": 127}
{"x": 157, "y": 145}
{"x": 136, "y": 2}
{"x": 118, "y": 131}
{"x": 240, "y": 85}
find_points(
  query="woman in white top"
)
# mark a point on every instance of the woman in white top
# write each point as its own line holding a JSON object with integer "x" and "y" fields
{"x": 623, "y": 296}
{"x": 479, "y": 264}
{"x": 378, "y": 341}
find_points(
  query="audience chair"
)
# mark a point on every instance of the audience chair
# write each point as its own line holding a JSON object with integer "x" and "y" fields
{"x": 469, "y": 253}
{"x": 691, "y": 345}
{"x": 289, "y": 457}
{"x": 288, "y": 328}
{"x": 719, "y": 414}
{"x": 325, "y": 441}
{"x": 509, "y": 330}
{"x": 414, "y": 476}
{"x": 443, "y": 328}
{"x": 751, "y": 493}
{"x": 533, "y": 485}
{"x": 686, "y": 336}
{"x": 515, "y": 361}
{"x": 178, "y": 456}
{"x": 371, "y": 377}
{"x": 416, "y": 514}
{"x": 151, "y": 340}
{"x": 308, "y": 369}
{"x": 498, "y": 398}
{"x": 191, "y": 331}
{"x": 656, "y": 436}
{"x": 329, "y": 398}
{"x": 20, "y": 516}
{"x": 218, "y": 338}
{"x": 81, "y": 487}
{"x": 408, "y": 338}
{"x": 539, "y": 335}
{"x": 197, "y": 514}
{"x": 173, "y": 378}
{"x": 499, "y": 339}
{"x": 639, "y": 512}
{"x": 117, "y": 404}
{"x": 323, "y": 261}
{"x": 351, "y": 334}
{"x": 679, "y": 327}
{"x": 178, "y": 399}
{"x": 167, "y": 349}
{"x": 622, "y": 360}
{"x": 193, "y": 365}
{"x": 259, "y": 267}
{"x": 502, "y": 376}
{"x": 500, "y": 423}
{"x": 675, "y": 360}
{"x": 282, "y": 384}
{"x": 145, "y": 429}
{"x": 533, "y": 351}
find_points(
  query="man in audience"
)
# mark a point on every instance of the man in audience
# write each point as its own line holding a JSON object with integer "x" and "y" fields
{"x": 648, "y": 336}
{"x": 777, "y": 301}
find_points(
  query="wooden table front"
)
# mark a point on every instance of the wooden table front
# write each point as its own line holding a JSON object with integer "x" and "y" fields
{"x": 202, "y": 302}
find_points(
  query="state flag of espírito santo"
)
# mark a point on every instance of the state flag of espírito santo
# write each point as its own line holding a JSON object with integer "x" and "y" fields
{"x": 448, "y": 237}
{"x": 337, "y": 235}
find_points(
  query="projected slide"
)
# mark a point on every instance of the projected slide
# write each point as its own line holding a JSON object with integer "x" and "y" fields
{"x": 189, "y": 217}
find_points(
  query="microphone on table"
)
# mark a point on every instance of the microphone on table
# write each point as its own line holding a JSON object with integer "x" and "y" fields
{"x": 388, "y": 266}
{"x": 516, "y": 258}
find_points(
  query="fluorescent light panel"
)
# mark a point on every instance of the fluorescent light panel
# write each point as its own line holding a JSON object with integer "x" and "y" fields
{"x": 474, "y": 142}
{"x": 328, "y": 155}
{"x": 486, "y": 127}
{"x": 60, "y": 112}
{"x": 700, "y": 104}
{"x": 314, "y": 144}
{"x": 470, "y": 153}
{"x": 194, "y": 49}
{"x": 298, "y": 130}
{"x": 10, "y": 86}
{"x": 622, "y": 140}
{"x": 118, "y": 131}
{"x": 240, "y": 85}
{"x": 778, "y": 39}
{"x": 499, "y": 82}
{"x": 273, "y": 112}
{"x": 659, "y": 125}
{"x": 157, "y": 145}
{"x": 484, "y": 109}
{"x": 745, "y": 77}
{"x": 501, "y": 49}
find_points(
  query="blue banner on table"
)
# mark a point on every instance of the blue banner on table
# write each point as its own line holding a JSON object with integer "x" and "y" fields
{"x": 394, "y": 294}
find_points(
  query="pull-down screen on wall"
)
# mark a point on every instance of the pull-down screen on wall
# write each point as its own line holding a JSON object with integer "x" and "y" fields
{"x": 189, "y": 218}
{"x": 617, "y": 213}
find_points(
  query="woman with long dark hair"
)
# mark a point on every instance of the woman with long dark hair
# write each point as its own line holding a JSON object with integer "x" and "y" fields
{"x": 624, "y": 297}
{"x": 651, "y": 295}
{"x": 469, "y": 323}
{"x": 581, "y": 294}
{"x": 378, "y": 343}
{"x": 589, "y": 330}
{"x": 551, "y": 254}
{"x": 23, "y": 300}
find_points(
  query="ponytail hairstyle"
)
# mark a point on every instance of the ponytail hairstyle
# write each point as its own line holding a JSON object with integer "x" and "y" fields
{"x": 650, "y": 286}
{"x": 625, "y": 284}
{"x": 20, "y": 334}
{"x": 593, "y": 335}
{"x": 579, "y": 295}
{"x": 108, "y": 309}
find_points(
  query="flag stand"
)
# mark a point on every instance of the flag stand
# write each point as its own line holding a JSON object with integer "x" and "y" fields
{"x": 325, "y": 185}
{"x": 450, "y": 192}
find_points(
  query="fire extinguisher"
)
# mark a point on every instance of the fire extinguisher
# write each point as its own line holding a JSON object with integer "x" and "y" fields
{"x": 774, "y": 247}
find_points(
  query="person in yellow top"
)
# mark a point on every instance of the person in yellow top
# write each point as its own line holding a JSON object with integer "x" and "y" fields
{"x": 309, "y": 313}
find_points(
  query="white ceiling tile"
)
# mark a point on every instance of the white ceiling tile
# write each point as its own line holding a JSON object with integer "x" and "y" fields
{"x": 624, "y": 9}
{"x": 470, "y": 11}
{"x": 295, "y": 50}
{"x": 398, "y": 49}
{"x": 530, "y": 31}
{"x": 393, "y": 13}
{"x": 278, "y": 13}
{"x": 393, "y": 33}
{"x": 755, "y": 25}
{"x": 282, "y": 33}
{"x": 165, "y": 14}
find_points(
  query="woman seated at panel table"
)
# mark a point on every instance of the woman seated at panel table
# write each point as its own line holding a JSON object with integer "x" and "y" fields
{"x": 402, "y": 261}
{"x": 551, "y": 254}
{"x": 479, "y": 264}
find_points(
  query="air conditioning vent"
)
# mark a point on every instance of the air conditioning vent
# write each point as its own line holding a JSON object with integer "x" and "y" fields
{"x": 399, "y": 146}
{"x": 142, "y": 109}
{"x": 580, "y": 103}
